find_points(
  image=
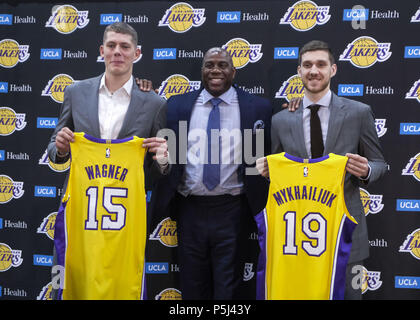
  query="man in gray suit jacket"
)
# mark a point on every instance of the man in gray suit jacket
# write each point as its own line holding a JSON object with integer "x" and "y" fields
{"x": 111, "y": 106}
{"x": 347, "y": 128}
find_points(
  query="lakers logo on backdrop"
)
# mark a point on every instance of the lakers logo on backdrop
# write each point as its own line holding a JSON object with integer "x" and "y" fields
{"x": 413, "y": 167}
{"x": 10, "y": 189}
{"x": 372, "y": 203}
{"x": 305, "y": 15}
{"x": 11, "y": 121}
{"x": 46, "y": 292}
{"x": 9, "y": 257}
{"x": 55, "y": 87}
{"x": 166, "y": 233}
{"x": 66, "y": 19}
{"x": 47, "y": 226}
{"x": 57, "y": 167}
{"x": 371, "y": 280}
{"x": 242, "y": 52}
{"x": 291, "y": 88}
{"x": 380, "y": 127}
{"x": 11, "y": 53}
{"x": 414, "y": 92}
{"x": 412, "y": 244}
{"x": 169, "y": 294}
{"x": 181, "y": 17}
{"x": 177, "y": 84}
{"x": 365, "y": 51}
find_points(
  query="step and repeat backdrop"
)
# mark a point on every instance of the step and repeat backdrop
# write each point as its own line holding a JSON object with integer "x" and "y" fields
{"x": 46, "y": 47}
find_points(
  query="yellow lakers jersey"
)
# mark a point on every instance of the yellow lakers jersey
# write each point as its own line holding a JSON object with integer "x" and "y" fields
{"x": 305, "y": 230}
{"x": 100, "y": 231}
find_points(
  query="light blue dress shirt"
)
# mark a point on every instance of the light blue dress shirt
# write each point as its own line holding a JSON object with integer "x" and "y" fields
{"x": 231, "y": 146}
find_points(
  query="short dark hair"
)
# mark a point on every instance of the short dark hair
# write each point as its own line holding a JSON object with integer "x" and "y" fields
{"x": 316, "y": 45}
{"x": 124, "y": 28}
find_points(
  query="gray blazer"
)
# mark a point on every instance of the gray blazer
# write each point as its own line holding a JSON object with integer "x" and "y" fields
{"x": 351, "y": 129}
{"x": 146, "y": 115}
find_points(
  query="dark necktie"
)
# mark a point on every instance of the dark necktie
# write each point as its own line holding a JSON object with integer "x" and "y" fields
{"x": 211, "y": 171}
{"x": 317, "y": 144}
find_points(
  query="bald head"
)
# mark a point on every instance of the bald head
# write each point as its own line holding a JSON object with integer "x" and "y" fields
{"x": 220, "y": 51}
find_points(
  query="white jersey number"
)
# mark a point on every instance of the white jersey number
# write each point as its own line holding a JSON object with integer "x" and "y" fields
{"x": 114, "y": 219}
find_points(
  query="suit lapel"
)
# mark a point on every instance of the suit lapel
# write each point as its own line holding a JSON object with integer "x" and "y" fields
{"x": 245, "y": 110}
{"x": 296, "y": 128}
{"x": 92, "y": 105}
{"x": 185, "y": 109}
{"x": 136, "y": 104}
{"x": 337, "y": 115}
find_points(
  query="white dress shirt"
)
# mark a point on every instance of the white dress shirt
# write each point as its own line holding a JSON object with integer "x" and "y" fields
{"x": 231, "y": 155}
{"x": 324, "y": 117}
{"x": 112, "y": 108}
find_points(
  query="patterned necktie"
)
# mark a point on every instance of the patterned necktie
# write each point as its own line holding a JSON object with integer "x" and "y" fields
{"x": 211, "y": 171}
{"x": 317, "y": 144}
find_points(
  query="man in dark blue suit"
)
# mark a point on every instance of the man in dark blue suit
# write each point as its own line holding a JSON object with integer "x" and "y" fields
{"x": 211, "y": 199}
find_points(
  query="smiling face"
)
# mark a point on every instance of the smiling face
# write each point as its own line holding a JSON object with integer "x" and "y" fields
{"x": 316, "y": 72}
{"x": 217, "y": 72}
{"x": 119, "y": 53}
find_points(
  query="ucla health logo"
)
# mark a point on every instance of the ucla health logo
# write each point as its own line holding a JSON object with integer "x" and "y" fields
{"x": 11, "y": 121}
{"x": 6, "y": 19}
{"x": 371, "y": 280}
{"x": 414, "y": 92}
{"x": 157, "y": 267}
{"x": 55, "y": 87}
{"x": 242, "y": 52}
{"x": 4, "y": 87}
{"x": 286, "y": 52}
{"x": 408, "y": 205}
{"x": 291, "y": 88}
{"x": 57, "y": 167}
{"x": 365, "y": 51}
{"x": 11, "y": 53}
{"x": 413, "y": 167}
{"x": 177, "y": 84}
{"x": 352, "y": 90}
{"x": 166, "y": 233}
{"x": 66, "y": 19}
{"x": 380, "y": 127}
{"x": 47, "y": 226}
{"x": 372, "y": 203}
{"x": 110, "y": 18}
{"x": 181, "y": 17}
{"x": 305, "y": 15}
{"x": 164, "y": 54}
{"x": 410, "y": 128}
{"x": 416, "y": 16}
{"x": 45, "y": 191}
{"x": 355, "y": 14}
{"x": 412, "y": 244}
{"x": 228, "y": 17}
{"x": 411, "y": 52}
{"x": 51, "y": 54}
{"x": 46, "y": 123}
{"x": 9, "y": 257}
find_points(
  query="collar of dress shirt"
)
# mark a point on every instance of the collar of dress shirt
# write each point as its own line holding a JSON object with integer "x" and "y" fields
{"x": 226, "y": 97}
{"x": 128, "y": 86}
{"x": 324, "y": 101}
